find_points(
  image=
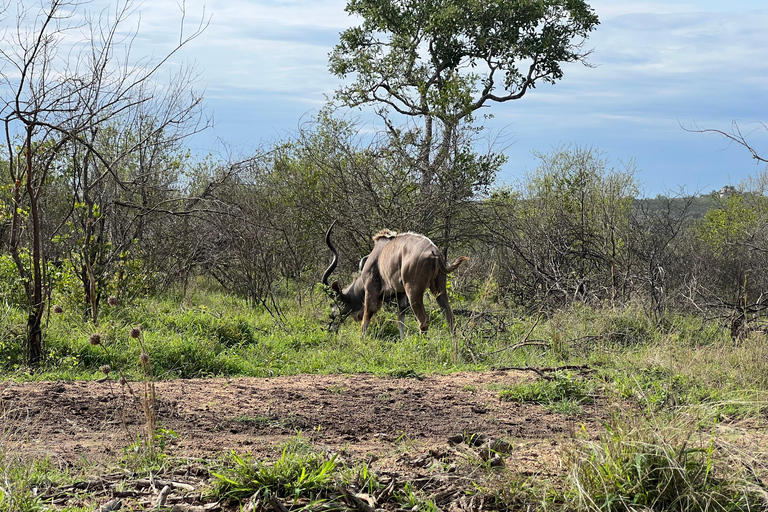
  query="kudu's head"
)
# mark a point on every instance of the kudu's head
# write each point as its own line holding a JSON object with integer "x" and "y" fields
{"x": 345, "y": 302}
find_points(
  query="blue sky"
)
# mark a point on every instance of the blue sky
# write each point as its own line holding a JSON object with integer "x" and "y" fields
{"x": 659, "y": 66}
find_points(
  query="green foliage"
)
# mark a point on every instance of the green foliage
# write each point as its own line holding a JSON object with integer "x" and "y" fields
{"x": 146, "y": 458}
{"x": 408, "y": 54}
{"x": 654, "y": 466}
{"x": 731, "y": 223}
{"x": 564, "y": 233}
{"x": 11, "y": 287}
{"x": 561, "y": 392}
{"x": 659, "y": 387}
{"x": 23, "y": 481}
{"x": 299, "y": 472}
{"x": 674, "y": 373}
{"x": 414, "y": 500}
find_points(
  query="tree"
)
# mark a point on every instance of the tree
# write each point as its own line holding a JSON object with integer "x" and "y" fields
{"x": 110, "y": 233}
{"x": 562, "y": 235}
{"x": 437, "y": 62}
{"x": 62, "y": 84}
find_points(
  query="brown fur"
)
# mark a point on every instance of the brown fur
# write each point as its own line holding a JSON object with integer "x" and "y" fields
{"x": 384, "y": 233}
{"x": 403, "y": 266}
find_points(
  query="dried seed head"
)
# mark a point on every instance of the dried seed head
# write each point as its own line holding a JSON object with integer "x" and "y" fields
{"x": 144, "y": 357}
{"x": 95, "y": 339}
{"x": 112, "y": 300}
{"x": 136, "y": 332}
{"x": 58, "y": 309}
{"x": 106, "y": 369}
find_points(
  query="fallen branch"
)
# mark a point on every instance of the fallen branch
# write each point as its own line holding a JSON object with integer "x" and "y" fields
{"x": 146, "y": 482}
{"x": 549, "y": 369}
{"x": 529, "y": 343}
{"x": 526, "y": 341}
{"x": 162, "y": 496}
{"x": 110, "y": 506}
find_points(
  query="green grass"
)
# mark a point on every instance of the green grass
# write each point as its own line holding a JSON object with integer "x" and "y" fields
{"x": 297, "y": 473}
{"x": 210, "y": 334}
{"x": 561, "y": 392}
{"x": 23, "y": 481}
{"x": 730, "y": 377}
{"x": 680, "y": 379}
{"x": 659, "y": 464}
{"x": 307, "y": 477}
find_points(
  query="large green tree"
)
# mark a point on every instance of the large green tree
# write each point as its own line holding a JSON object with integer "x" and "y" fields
{"x": 436, "y": 62}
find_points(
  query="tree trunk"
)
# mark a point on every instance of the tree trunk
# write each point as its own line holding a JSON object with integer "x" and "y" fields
{"x": 37, "y": 303}
{"x": 34, "y": 348}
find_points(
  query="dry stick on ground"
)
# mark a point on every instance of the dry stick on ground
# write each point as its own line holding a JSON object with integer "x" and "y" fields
{"x": 146, "y": 482}
{"x": 110, "y": 506}
{"x": 162, "y": 496}
{"x": 542, "y": 371}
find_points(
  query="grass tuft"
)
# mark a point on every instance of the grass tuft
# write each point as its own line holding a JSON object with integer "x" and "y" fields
{"x": 657, "y": 465}
{"x": 562, "y": 392}
{"x": 299, "y": 472}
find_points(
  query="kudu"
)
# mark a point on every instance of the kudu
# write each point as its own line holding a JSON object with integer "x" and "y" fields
{"x": 401, "y": 266}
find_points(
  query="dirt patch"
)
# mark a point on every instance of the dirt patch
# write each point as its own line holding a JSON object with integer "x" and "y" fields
{"x": 398, "y": 426}
{"x": 360, "y": 415}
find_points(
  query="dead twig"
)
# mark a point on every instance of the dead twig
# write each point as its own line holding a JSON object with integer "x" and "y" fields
{"x": 110, "y": 506}
{"x": 146, "y": 482}
{"x": 162, "y": 496}
{"x": 584, "y": 368}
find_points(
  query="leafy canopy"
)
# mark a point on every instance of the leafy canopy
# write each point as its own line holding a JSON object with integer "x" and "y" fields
{"x": 447, "y": 58}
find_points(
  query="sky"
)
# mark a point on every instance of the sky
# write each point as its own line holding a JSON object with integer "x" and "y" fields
{"x": 658, "y": 68}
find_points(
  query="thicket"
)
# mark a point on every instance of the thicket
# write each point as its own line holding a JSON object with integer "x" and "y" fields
{"x": 574, "y": 230}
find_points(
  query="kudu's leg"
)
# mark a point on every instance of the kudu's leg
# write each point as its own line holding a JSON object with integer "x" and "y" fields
{"x": 416, "y": 297}
{"x": 402, "y": 308}
{"x": 370, "y": 306}
{"x": 442, "y": 301}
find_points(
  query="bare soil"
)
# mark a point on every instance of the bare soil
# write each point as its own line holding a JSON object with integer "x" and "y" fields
{"x": 396, "y": 425}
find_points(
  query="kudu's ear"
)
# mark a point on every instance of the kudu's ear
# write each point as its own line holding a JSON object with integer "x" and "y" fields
{"x": 336, "y": 287}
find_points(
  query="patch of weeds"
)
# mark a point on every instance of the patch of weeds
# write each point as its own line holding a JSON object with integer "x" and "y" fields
{"x": 660, "y": 387}
{"x": 642, "y": 465}
{"x": 414, "y": 500}
{"x": 304, "y": 478}
{"x": 145, "y": 456}
{"x": 24, "y": 481}
{"x": 512, "y": 491}
{"x": 562, "y": 392}
{"x": 260, "y": 421}
{"x": 337, "y": 390}
{"x": 631, "y": 328}
{"x": 406, "y": 374}
{"x": 469, "y": 388}
{"x": 232, "y": 333}
{"x": 298, "y": 473}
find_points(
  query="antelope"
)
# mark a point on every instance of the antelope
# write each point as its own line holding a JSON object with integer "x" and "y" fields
{"x": 400, "y": 266}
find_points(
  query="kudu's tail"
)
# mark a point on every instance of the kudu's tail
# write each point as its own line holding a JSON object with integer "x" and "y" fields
{"x": 456, "y": 263}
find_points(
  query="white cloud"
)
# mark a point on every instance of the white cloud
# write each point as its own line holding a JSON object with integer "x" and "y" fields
{"x": 659, "y": 64}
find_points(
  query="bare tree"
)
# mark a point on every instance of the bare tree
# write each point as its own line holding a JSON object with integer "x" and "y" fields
{"x": 737, "y": 135}
{"x": 68, "y": 75}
